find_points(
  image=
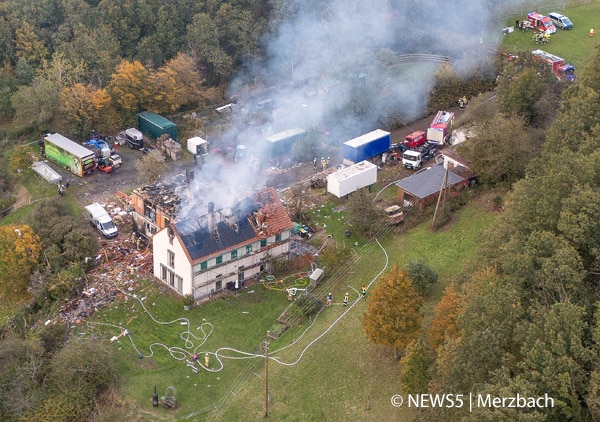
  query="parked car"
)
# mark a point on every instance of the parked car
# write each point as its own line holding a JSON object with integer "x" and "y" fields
{"x": 560, "y": 21}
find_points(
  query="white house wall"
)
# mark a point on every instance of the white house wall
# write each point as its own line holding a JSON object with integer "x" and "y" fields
{"x": 181, "y": 269}
{"x": 201, "y": 282}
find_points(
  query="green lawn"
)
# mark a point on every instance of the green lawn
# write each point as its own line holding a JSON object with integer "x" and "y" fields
{"x": 574, "y": 45}
{"x": 335, "y": 378}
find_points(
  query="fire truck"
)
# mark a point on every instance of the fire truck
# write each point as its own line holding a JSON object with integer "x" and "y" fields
{"x": 563, "y": 71}
{"x": 440, "y": 129}
{"x": 539, "y": 22}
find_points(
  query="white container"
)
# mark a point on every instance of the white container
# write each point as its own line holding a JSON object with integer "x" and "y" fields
{"x": 350, "y": 179}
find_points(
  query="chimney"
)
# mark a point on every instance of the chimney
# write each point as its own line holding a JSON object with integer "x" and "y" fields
{"x": 211, "y": 217}
{"x": 189, "y": 176}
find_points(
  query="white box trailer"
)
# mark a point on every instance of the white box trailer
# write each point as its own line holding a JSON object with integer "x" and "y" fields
{"x": 350, "y": 179}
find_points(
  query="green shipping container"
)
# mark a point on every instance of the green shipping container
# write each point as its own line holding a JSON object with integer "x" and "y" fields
{"x": 156, "y": 125}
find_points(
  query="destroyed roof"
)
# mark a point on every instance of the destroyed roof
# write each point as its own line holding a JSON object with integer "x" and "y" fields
{"x": 249, "y": 220}
{"x": 276, "y": 218}
{"x": 166, "y": 196}
{"x": 428, "y": 182}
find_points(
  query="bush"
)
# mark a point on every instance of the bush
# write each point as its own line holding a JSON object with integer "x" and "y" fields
{"x": 422, "y": 275}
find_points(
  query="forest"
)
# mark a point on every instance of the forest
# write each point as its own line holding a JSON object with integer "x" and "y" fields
{"x": 523, "y": 317}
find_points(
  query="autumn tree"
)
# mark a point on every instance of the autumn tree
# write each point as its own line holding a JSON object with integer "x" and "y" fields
{"x": 151, "y": 167}
{"x": 393, "y": 318}
{"x": 20, "y": 249}
{"x": 444, "y": 323}
{"x": 178, "y": 83}
{"x": 131, "y": 86}
{"x": 87, "y": 108}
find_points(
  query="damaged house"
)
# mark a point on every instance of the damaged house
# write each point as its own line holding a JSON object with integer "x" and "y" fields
{"x": 219, "y": 248}
{"x": 153, "y": 207}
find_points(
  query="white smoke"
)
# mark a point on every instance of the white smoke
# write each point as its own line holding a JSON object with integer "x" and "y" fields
{"x": 336, "y": 64}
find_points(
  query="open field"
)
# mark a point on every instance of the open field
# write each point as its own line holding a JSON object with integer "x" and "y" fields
{"x": 574, "y": 45}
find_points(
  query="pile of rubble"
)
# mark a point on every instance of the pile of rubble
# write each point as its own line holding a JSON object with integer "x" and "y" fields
{"x": 118, "y": 267}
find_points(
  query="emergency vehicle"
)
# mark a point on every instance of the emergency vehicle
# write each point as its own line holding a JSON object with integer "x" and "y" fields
{"x": 440, "y": 129}
{"x": 563, "y": 71}
{"x": 539, "y": 22}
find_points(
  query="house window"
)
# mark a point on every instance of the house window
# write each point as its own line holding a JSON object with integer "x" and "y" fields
{"x": 171, "y": 278}
{"x": 219, "y": 285}
{"x": 203, "y": 265}
{"x": 263, "y": 242}
{"x": 219, "y": 259}
{"x": 179, "y": 284}
{"x": 163, "y": 272}
{"x": 234, "y": 254}
{"x": 248, "y": 249}
{"x": 171, "y": 259}
{"x": 277, "y": 238}
{"x": 149, "y": 213}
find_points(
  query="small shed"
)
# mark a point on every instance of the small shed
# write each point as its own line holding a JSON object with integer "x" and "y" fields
{"x": 422, "y": 188}
{"x": 315, "y": 277}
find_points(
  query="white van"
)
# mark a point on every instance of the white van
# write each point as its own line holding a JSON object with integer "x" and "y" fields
{"x": 99, "y": 218}
{"x": 560, "y": 21}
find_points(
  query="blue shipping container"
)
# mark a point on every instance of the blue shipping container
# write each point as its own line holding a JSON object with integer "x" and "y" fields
{"x": 366, "y": 146}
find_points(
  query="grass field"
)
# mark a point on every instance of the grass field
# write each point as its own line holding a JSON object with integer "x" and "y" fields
{"x": 336, "y": 378}
{"x": 574, "y": 45}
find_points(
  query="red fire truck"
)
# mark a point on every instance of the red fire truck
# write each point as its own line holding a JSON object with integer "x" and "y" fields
{"x": 563, "y": 71}
{"x": 440, "y": 129}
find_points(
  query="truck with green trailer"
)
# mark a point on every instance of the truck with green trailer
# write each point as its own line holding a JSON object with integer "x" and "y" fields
{"x": 156, "y": 125}
{"x": 68, "y": 154}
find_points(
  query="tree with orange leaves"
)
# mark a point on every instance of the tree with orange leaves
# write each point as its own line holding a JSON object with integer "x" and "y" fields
{"x": 447, "y": 311}
{"x": 20, "y": 249}
{"x": 393, "y": 318}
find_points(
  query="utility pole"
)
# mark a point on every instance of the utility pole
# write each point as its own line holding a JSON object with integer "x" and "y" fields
{"x": 267, "y": 376}
{"x": 441, "y": 194}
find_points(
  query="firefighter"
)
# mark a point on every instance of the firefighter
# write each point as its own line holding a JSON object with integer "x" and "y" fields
{"x": 329, "y": 299}
{"x": 206, "y": 360}
{"x": 364, "y": 290}
{"x": 592, "y": 32}
{"x": 346, "y": 299}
